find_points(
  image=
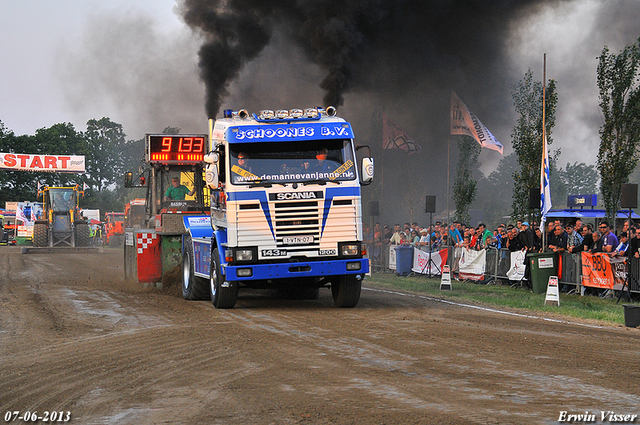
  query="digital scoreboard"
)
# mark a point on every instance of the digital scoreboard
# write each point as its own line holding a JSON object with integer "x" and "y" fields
{"x": 176, "y": 148}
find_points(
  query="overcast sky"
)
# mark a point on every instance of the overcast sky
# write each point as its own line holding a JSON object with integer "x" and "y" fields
{"x": 136, "y": 63}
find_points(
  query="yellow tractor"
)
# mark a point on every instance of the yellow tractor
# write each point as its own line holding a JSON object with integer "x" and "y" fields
{"x": 62, "y": 225}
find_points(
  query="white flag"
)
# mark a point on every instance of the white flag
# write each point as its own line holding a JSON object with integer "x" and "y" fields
{"x": 85, "y": 186}
{"x": 465, "y": 123}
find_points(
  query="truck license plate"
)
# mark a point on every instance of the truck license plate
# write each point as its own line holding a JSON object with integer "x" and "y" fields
{"x": 297, "y": 240}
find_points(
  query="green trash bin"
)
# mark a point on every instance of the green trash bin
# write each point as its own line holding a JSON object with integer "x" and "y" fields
{"x": 543, "y": 265}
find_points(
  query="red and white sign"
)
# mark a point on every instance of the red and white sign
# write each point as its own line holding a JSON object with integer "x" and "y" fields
{"x": 50, "y": 163}
{"x": 471, "y": 264}
{"x": 149, "y": 257}
{"x": 422, "y": 265}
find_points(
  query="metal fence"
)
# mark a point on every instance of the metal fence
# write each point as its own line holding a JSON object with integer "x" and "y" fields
{"x": 498, "y": 263}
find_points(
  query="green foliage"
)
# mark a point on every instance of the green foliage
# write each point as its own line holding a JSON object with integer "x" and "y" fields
{"x": 618, "y": 81}
{"x": 108, "y": 155}
{"x": 465, "y": 187}
{"x": 526, "y": 137}
{"x": 496, "y": 191}
{"x": 579, "y": 178}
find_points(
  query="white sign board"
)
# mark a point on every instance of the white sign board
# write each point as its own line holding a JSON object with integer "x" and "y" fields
{"x": 50, "y": 163}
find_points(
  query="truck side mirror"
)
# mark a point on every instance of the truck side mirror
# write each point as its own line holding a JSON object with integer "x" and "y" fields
{"x": 128, "y": 179}
{"x": 211, "y": 176}
{"x": 367, "y": 170}
{"x": 211, "y": 158}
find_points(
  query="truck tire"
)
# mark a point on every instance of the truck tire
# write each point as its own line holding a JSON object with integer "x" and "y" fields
{"x": 193, "y": 287}
{"x": 224, "y": 294}
{"x": 40, "y": 235}
{"x": 82, "y": 236}
{"x": 346, "y": 291}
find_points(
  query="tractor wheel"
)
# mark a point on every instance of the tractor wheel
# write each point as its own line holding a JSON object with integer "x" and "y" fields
{"x": 193, "y": 287}
{"x": 224, "y": 294}
{"x": 40, "y": 235}
{"x": 82, "y": 235}
{"x": 346, "y": 291}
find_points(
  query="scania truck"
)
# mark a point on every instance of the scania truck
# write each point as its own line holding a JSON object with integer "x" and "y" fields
{"x": 285, "y": 208}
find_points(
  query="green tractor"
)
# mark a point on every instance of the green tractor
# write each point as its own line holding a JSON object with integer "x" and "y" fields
{"x": 61, "y": 224}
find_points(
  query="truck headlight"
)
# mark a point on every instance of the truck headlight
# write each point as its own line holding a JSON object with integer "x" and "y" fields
{"x": 349, "y": 250}
{"x": 244, "y": 255}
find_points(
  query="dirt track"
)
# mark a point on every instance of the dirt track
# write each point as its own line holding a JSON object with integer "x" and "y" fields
{"x": 75, "y": 337}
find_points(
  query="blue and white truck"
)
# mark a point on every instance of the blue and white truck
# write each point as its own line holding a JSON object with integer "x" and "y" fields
{"x": 285, "y": 199}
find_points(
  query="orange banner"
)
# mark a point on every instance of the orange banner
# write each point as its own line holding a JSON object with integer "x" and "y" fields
{"x": 602, "y": 271}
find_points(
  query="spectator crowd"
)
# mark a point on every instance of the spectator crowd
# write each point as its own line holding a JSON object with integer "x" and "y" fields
{"x": 572, "y": 237}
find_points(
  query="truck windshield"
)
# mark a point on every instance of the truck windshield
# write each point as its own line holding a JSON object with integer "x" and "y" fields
{"x": 287, "y": 162}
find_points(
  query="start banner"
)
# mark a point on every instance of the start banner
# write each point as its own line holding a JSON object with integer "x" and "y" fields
{"x": 600, "y": 270}
{"x": 49, "y": 163}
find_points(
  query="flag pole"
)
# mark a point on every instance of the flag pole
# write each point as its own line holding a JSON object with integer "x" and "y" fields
{"x": 543, "y": 218}
{"x": 448, "y": 172}
{"x": 381, "y": 208}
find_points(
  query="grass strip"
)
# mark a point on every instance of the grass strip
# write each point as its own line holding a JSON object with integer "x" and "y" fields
{"x": 588, "y": 307}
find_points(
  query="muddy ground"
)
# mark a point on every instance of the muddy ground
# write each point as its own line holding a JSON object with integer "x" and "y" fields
{"x": 75, "y": 337}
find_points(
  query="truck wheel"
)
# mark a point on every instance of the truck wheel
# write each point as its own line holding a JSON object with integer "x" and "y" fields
{"x": 82, "y": 235}
{"x": 224, "y": 294}
{"x": 40, "y": 235}
{"x": 193, "y": 288}
{"x": 346, "y": 291}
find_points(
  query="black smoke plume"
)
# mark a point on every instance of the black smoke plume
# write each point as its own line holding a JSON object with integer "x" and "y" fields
{"x": 384, "y": 45}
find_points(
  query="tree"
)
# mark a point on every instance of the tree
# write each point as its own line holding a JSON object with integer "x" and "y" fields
{"x": 105, "y": 162}
{"x": 579, "y": 178}
{"x": 526, "y": 137}
{"x": 465, "y": 186}
{"x": 618, "y": 81}
{"x": 59, "y": 139}
{"x": 495, "y": 192}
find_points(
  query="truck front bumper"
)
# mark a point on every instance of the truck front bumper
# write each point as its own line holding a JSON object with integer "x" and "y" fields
{"x": 302, "y": 269}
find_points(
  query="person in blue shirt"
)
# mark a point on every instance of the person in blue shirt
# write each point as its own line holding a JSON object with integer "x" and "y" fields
{"x": 621, "y": 249}
{"x": 455, "y": 238}
{"x": 609, "y": 240}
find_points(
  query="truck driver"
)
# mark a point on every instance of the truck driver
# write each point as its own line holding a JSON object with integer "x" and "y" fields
{"x": 177, "y": 191}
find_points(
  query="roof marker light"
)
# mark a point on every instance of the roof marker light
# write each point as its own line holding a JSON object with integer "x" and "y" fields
{"x": 311, "y": 112}
{"x": 267, "y": 114}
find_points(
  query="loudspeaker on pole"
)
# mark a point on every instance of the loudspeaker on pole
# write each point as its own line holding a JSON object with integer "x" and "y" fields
{"x": 430, "y": 204}
{"x": 629, "y": 198}
{"x": 534, "y": 198}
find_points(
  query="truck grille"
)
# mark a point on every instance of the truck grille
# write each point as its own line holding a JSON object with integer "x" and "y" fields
{"x": 296, "y": 219}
